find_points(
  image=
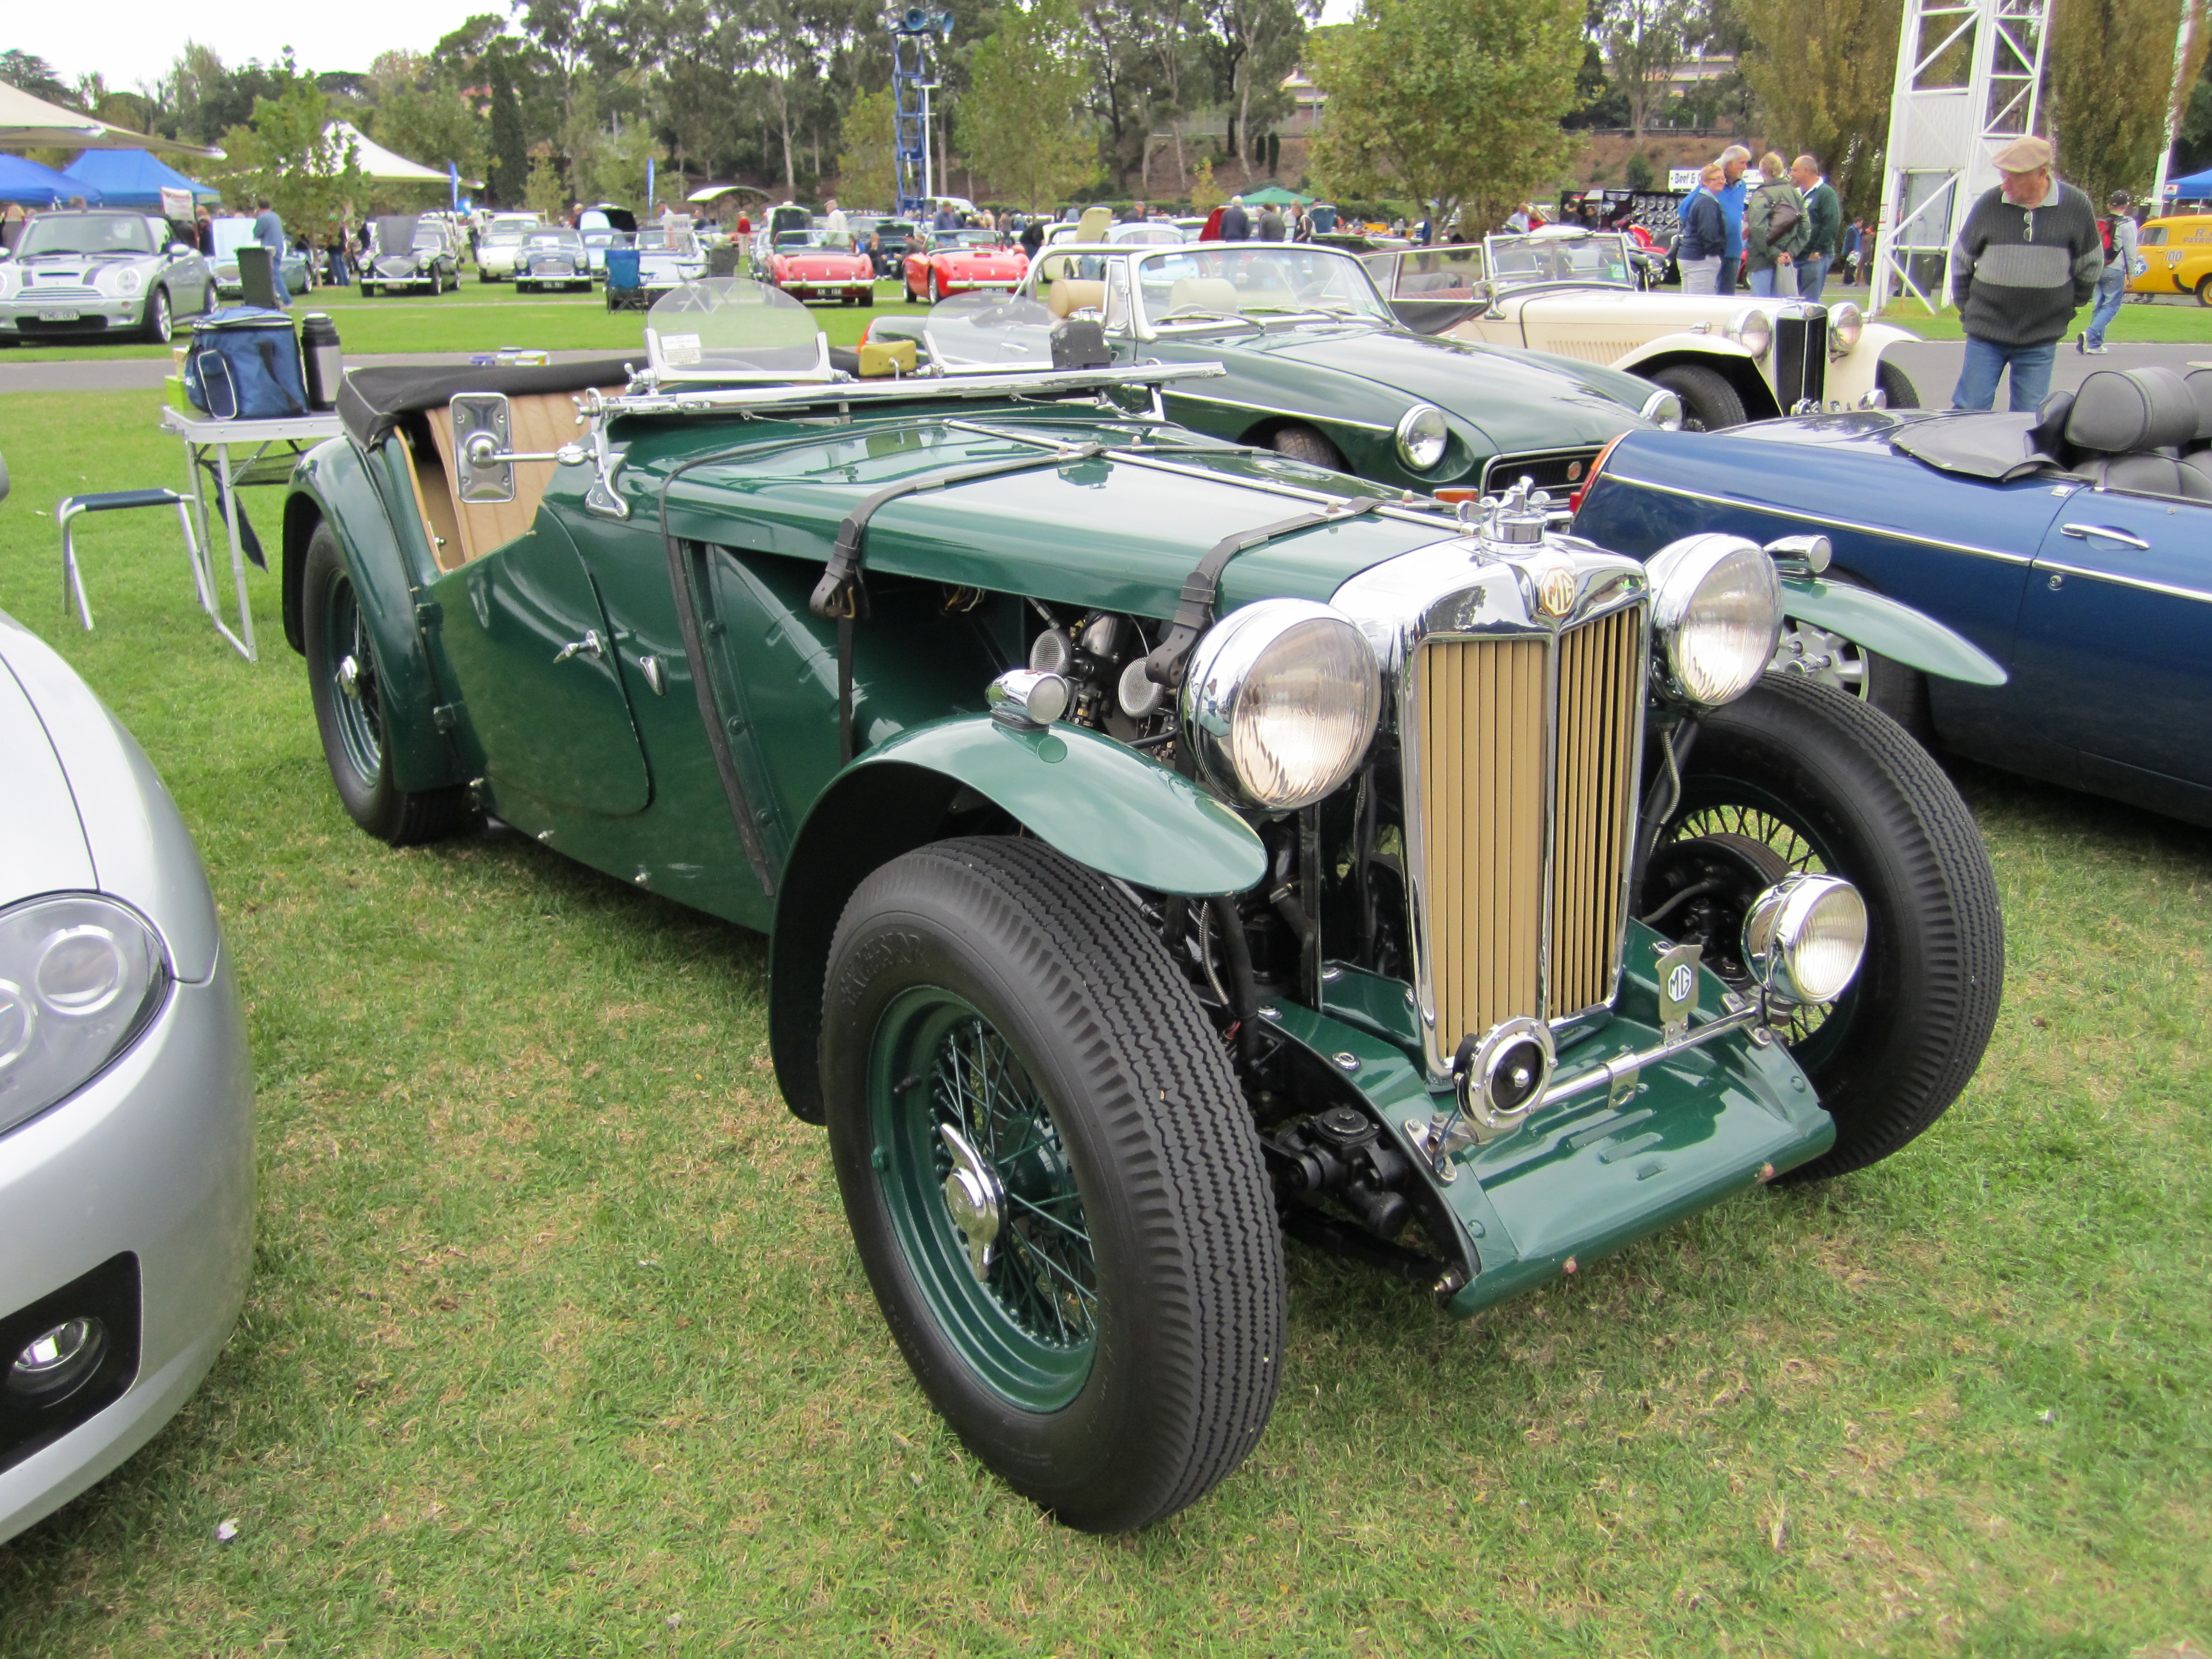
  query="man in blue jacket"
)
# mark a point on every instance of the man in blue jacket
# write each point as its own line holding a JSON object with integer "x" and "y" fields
{"x": 269, "y": 231}
{"x": 1731, "y": 196}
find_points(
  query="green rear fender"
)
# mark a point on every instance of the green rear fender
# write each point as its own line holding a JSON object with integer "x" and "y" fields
{"x": 332, "y": 485}
{"x": 1896, "y": 631}
{"x": 1100, "y": 802}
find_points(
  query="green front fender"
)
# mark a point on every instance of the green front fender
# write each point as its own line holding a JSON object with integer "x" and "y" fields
{"x": 1896, "y": 631}
{"x": 1100, "y": 802}
{"x": 332, "y": 485}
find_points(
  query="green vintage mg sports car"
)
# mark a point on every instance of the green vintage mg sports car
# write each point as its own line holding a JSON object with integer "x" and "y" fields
{"x": 1166, "y": 846}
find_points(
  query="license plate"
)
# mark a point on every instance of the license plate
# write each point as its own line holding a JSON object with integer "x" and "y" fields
{"x": 54, "y": 315}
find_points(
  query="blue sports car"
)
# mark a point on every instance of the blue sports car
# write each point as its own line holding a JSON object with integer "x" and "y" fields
{"x": 2072, "y": 545}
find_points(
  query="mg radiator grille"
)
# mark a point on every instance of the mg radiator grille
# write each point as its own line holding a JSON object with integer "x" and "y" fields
{"x": 1801, "y": 355}
{"x": 1516, "y": 922}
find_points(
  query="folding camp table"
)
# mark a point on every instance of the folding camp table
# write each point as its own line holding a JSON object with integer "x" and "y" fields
{"x": 270, "y": 448}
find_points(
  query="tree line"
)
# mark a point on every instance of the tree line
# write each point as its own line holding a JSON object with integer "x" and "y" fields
{"x": 1464, "y": 106}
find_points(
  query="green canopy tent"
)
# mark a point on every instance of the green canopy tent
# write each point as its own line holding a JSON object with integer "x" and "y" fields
{"x": 1276, "y": 196}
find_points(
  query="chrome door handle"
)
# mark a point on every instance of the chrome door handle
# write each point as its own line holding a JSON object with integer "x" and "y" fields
{"x": 589, "y": 646}
{"x": 2081, "y": 532}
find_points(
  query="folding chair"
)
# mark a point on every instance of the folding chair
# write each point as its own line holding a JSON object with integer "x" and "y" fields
{"x": 115, "y": 502}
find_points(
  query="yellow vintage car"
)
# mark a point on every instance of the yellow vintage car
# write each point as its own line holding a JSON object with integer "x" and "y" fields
{"x": 2177, "y": 255}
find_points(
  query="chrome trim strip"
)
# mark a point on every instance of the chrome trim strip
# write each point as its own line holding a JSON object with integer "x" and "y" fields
{"x": 909, "y": 389}
{"x": 2147, "y": 586}
{"x": 1613, "y": 471}
{"x": 1606, "y": 1072}
{"x": 1275, "y": 409}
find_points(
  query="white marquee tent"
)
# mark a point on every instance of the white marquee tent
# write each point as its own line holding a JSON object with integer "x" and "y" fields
{"x": 379, "y": 165}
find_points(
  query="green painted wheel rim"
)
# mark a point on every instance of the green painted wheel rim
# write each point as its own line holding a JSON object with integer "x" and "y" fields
{"x": 355, "y": 711}
{"x": 1029, "y": 1328}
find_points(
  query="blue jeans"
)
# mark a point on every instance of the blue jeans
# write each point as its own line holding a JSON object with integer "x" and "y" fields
{"x": 1725, "y": 281}
{"x": 1811, "y": 275}
{"x": 2111, "y": 289}
{"x": 1986, "y": 360}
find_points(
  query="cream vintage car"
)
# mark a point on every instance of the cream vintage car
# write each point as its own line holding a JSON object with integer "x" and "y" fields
{"x": 1730, "y": 358}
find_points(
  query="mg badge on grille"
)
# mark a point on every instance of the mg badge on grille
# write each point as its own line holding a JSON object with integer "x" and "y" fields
{"x": 1678, "y": 988}
{"x": 1555, "y": 590}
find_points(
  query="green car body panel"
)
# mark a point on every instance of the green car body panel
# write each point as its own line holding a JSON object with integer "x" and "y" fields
{"x": 1354, "y": 384}
{"x": 1896, "y": 631}
{"x": 605, "y": 756}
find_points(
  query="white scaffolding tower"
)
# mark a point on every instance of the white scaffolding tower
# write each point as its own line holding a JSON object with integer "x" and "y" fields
{"x": 1969, "y": 81}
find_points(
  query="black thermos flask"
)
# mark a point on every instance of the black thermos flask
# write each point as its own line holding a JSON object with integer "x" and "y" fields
{"x": 319, "y": 357}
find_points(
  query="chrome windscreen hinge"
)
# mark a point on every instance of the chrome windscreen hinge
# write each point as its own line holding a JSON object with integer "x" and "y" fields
{"x": 445, "y": 717}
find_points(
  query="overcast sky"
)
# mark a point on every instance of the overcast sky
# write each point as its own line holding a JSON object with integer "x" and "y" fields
{"x": 133, "y": 41}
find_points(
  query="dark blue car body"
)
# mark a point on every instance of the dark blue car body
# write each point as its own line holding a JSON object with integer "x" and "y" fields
{"x": 2108, "y": 644}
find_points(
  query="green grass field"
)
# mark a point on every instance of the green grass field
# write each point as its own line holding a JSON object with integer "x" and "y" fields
{"x": 2163, "y": 321}
{"x": 556, "y": 1343}
{"x": 475, "y": 317}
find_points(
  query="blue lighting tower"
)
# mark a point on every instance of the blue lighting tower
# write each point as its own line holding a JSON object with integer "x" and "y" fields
{"x": 911, "y": 30}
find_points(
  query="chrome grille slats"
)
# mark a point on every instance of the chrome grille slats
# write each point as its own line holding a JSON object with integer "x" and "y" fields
{"x": 1528, "y": 748}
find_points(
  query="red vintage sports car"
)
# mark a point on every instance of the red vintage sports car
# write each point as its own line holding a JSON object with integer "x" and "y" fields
{"x": 961, "y": 261}
{"x": 813, "y": 264}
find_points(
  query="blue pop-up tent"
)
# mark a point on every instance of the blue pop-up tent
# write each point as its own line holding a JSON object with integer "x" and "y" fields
{"x": 25, "y": 182}
{"x": 131, "y": 178}
{"x": 2197, "y": 187}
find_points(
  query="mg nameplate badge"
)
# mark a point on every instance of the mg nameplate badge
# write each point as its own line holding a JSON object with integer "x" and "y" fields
{"x": 1678, "y": 988}
{"x": 1555, "y": 590}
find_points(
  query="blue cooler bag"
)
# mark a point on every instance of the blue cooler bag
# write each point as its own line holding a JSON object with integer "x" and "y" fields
{"x": 244, "y": 365}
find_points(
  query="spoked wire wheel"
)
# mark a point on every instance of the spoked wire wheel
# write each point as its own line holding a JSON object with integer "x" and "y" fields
{"x": 1751, "y": 831}
{"x": 356, "y": 711}
{"x": 983, "y": 1200}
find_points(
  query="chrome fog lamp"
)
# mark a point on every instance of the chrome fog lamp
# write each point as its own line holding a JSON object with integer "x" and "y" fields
{"x": 1752, "y": 329}
{"x": 1715, "y": 614}
{"x": 1664, "y": 410}
{"x": 1846, "y": 322}
{"x": 54, "y": 1363}
{"x": 1422, "y": 436}
{"x": 1804, "y": 937}
{"x": 1280, "y": 702}
{"x": 1028, "y": 698}
{"x": 1508, "y": 1072}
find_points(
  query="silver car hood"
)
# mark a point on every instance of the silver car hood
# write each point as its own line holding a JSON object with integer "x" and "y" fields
{"x": 86, "y": 810}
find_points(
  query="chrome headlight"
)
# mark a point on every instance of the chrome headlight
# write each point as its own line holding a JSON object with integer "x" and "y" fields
{"x": 1752, "y": 329}
{"x": 128, "y": 280}
{"x": 1664, "y": 410}
{"x": 1846, "y": 322}
{"x": 1804, "y": 937}
{"x": 1422, "y": 436}
{"x": 80, "y": 979}
{"x": 1716, "y": 614}
{"x": 1280, "y": 702}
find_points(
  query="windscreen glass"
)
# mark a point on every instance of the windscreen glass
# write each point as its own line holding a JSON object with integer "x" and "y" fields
{"x": 1205, "y": 283}
{"x": 732, "y": 328}
{"x": 972, "y": 333}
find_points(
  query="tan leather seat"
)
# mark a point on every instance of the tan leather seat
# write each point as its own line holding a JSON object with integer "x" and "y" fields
{"x": 1203, "y": 294}
{"x": 1068, "y": 297}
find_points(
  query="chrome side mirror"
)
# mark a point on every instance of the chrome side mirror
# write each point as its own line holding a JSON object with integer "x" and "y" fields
{"x": 480, "y": 451}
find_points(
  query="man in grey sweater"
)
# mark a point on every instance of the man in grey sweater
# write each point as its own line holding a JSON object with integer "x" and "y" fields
{"x": 2027, "y": 258}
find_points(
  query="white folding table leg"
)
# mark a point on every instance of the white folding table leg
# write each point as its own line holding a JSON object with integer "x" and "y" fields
{"x": 72, "y": 578}
{"x": 237, "y": 557}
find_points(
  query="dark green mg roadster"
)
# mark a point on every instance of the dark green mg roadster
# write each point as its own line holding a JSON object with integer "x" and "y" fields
{"x": 1166, "y": 846}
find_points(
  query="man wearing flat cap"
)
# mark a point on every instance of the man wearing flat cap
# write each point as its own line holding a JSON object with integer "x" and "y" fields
{"x": 2027, "y": 258}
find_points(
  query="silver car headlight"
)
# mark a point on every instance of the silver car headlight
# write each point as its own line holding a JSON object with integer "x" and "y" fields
{"x": 81, "y": 978}
{"x": 1422, "y": 436}
{"x": 128, "y": 281}
{"x": 1716, "y": 614}
{"x": 1846, "y": 322}
{"x": 1804, "y": 937}
{"x": 1664, "y": 410}
{"x": 1280, "y": 702}
{"x": 1752, "y": 329}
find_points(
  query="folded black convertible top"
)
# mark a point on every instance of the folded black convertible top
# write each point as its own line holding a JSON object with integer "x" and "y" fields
{"x": 372, "y": 400}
